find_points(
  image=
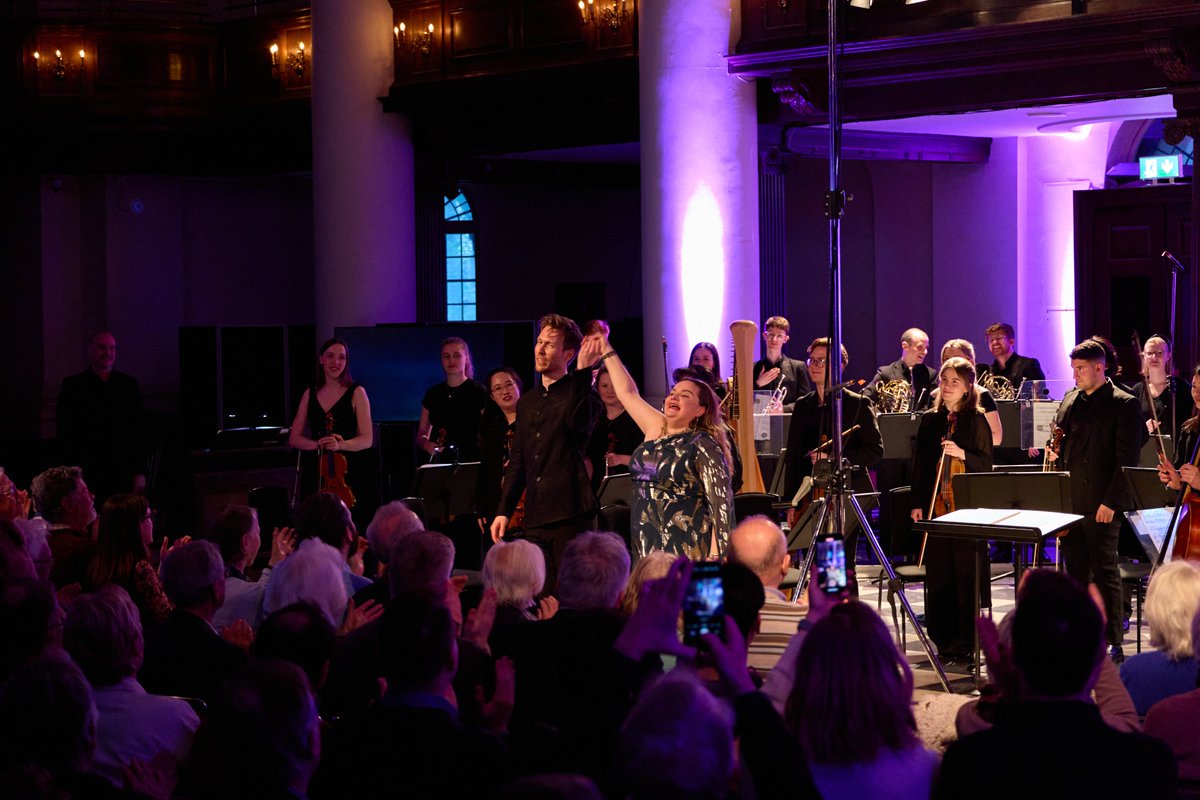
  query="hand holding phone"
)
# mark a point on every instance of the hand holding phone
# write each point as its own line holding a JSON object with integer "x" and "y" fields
{"x": 831, "y": 564}
{"x": 704, "y": 603}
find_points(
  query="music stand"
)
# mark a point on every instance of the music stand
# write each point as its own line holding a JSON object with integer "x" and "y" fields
{"x": 1008, "y": 524}
{"x": 1148, "y": 490}
{"x": 1022, "y": 468}
{"x": 446, "y": 489}
{"x": 1148, "y": 456}
{"x": 779, "y": 478}
{"x": 1150, "y": 526}
{"x": 615, "y": 490}
{"x": 1038, "y": 491}
{"x": 898, "y": 432}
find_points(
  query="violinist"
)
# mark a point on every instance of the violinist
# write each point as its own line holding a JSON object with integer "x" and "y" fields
{"x": 953, "y": 430}
{"x": 1183, "y": 471}
{"x": 1172, "y": 403}
{"x": 334, "y": 419}
{"x": 615, "y": 436}
{"x": 811, "y": 430}
{"x": 448, "y": 430}
{"x": 496, "y": 433}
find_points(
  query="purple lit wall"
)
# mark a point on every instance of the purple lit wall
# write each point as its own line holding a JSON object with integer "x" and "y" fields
{"x": 1051, "y": 168}
{"x": 699, "y": 182}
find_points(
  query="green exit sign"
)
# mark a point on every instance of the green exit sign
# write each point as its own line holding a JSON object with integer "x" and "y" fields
{"x": 1161, "y": 168}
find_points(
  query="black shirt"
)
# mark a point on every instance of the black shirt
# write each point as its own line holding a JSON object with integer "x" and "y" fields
{"x": 456, "y": 410}
{"x": 620, "y": 435}
{"x": 811, "y": 420}
{"x": 553, "y": 427}
{"x": 100, "y": 429}
{"x": 793, "y": 376}
{"x": 1017, "y": 369}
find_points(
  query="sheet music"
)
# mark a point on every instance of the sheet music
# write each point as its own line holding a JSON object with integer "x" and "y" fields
{"x": 1150, "y": 527}
{"x": 1043, "y": 521}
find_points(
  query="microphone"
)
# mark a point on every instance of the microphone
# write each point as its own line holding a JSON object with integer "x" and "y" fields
{"x": 1175, "y": 265}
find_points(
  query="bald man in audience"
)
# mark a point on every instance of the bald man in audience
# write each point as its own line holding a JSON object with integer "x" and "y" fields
{"x": 759, "y": 543}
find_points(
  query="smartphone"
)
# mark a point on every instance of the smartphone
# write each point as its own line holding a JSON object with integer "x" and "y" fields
{"x": 831, "y": 564}
{"x": 704, "y": 603}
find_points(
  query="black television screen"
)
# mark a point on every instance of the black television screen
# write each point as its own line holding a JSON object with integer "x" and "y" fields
{"x": 397, "y": 363}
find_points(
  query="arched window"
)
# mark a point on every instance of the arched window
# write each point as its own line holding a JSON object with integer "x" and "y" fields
{"x": 460, "y": 259}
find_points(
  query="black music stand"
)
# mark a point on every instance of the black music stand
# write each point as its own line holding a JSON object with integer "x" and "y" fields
{"x": 615, "y": 490}
{"x": 447, "y": 490}
{"x": 898, "y": 431}
{"x": 1016, "y": 525}
{"x": 1148, "y": 490}
{"x": 1037, "y": 491}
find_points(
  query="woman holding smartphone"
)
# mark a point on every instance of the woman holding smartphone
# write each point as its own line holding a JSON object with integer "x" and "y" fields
{"x": 953, "y": 429}
{"x": 682, "y": 499}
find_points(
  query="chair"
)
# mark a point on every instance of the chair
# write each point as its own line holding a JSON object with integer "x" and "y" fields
{"x": 905, "y": 574}
{"x": 749, "y": 504}
{"x": 1136, "y": 575}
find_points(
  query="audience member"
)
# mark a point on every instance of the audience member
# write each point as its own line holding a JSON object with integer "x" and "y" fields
{"x": 301, "y": 634}
{"x": 14, "y": 503}
{"x": 516, "y": 570}
{"x": 1173, "y": 720}
{"x": 413, "y": 735}
{"x": 851, "y": 710}
{"x": 760, "y": 544}
{"x": 313, "y": 573}
{"x": 743, "y": 597}
{"x": 650, "y": 567}
{"x": 391, "y": 522}
{"x": 421, "y": 564}
{"x": 185, "y": 656}
{"x": 15, "y": 563}
{"x": 36, "y": 534}
{"x": 103, "y": 634}
{"x": 1171, "y": 603}
{"x": 123, "y": 556}
{"x": 237, "y": 534}
{"x": 262, "y": 737}
{"x": 63, "y": 500}
{"x": 677, "y": 742}
{"x": 1057, "y": 646}
{"x": 31, "y": 621}
{"x": 325, "y": 517}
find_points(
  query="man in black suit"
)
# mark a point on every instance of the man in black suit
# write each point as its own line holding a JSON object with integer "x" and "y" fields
{"x": 775, "y": 370}
{"x": 910, "y": 367}
{"x": 550, "y": 447}
{"x": 185, "y": 656}
{"x": 1103, "y": 432}
{"x": 1008, "y": 365}
{"x": 812, "y": 426}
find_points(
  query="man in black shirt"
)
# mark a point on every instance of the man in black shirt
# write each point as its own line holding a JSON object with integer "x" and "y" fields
{"x": 1008, "y": 365}
{"x": 775, "y": 370}
{"x": 1103, "y": 433}
{"x": 100, "y": 422}
{"x": 554, "y": 422}
{"x": 910, "y": 368}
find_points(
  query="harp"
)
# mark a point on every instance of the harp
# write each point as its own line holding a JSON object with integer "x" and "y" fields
{"x": 741, "y": 408}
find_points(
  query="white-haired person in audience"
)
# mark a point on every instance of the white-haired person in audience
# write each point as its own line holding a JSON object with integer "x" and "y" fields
{"x": 516, "y": 570}
{"x": 312, "y": 573}
{"x": 1172, "y": 601}
{"x": 236, "y": 532}
{"x": 1173, "y": 720}
{"x": 760, "y": 545}
{"x": 392, "y": 522}
{"x": 103, "y": 634}
{"x": 649, "y": 567}
{"x": 185, "y": 656}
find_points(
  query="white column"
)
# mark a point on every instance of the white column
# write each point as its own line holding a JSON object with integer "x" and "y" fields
{"x": 363, "y": 207}
{"x": 699, "y": 182}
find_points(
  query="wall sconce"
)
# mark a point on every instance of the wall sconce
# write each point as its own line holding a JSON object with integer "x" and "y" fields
{"x": 296, "y": 61}
{"x": 611, "y": 13}
{"x": 419, "y": 42}
{"x": 59, "y": 67}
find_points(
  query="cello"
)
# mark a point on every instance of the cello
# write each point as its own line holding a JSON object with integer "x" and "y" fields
{"x": 1185, "y": 523}
{"x": 333, "y": 469}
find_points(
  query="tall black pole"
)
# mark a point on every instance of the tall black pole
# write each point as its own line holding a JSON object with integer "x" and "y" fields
{"x": 835, "y": 202}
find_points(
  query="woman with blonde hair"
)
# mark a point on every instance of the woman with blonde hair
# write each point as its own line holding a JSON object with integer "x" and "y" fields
{"x": 649, "y": 567}
{"x": 1172, "y": 601}
{"x": 682, "y": 499}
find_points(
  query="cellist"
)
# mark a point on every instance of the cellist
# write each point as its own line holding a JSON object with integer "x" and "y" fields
{"x": 1185, "y": 470}
{"x": 334, "y": 419}
{"x": 953, "y": 429}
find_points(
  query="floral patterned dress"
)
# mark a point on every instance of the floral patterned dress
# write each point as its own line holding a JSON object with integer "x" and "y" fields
{"x": 682, "y": 498}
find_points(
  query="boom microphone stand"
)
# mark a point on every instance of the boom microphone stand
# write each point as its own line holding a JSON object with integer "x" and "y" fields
{"x": 839, "y": 492}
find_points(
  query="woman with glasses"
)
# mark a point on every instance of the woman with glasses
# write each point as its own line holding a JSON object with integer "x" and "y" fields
{"x": 1170, "y": 396}
{"x": 123, "y": 556}
{"x": 496, "y": 431}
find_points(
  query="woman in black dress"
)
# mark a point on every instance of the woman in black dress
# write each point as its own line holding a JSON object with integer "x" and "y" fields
{"x": 1171, "y": 397}
{"x": 335, "y": 416}
{"x": 954, "y": 428}
{"x": 496, "y": 432}
{"x": 615, "y": 436}
{"x": 448, "y": 430}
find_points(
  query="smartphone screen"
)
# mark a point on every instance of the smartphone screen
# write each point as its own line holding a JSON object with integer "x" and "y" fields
{"x": 704, "y": 603}
{"x": 831, "y": 564}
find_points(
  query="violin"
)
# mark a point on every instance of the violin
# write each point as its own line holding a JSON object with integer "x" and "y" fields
{"x": 612, "y": 448}
{"x": 943, "y": 492}
{"x": 333, "y": 469}
{"x": 1053, "y": 444}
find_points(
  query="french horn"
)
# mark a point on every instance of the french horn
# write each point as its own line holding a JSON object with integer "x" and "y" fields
{"x": 893, "y": 397}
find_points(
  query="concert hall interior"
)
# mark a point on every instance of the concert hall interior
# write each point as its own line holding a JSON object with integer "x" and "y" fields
{"x": 222, "y": 185}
